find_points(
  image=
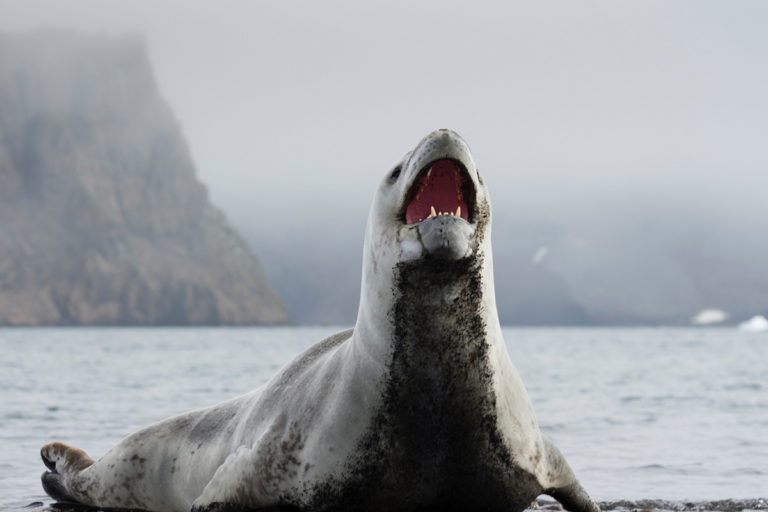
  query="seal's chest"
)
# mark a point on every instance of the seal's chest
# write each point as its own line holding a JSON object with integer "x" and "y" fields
{"x": 439, "y": 427}
{"x": 434, "y": 440}
{"x": 425, "y": 455}
{"x": 446, "y": 462}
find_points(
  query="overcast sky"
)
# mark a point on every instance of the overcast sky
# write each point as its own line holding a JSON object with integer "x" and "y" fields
{"x": 294, "y": 110}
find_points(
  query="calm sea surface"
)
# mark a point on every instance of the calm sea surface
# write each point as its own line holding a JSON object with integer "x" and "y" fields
{"x": 676, "y": 414}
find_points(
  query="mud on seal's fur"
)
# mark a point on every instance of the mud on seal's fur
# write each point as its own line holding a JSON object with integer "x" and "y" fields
{"x": 436, "y": 433}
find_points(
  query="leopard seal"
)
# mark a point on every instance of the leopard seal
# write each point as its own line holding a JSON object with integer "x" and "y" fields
{"x": 418, "y": 407}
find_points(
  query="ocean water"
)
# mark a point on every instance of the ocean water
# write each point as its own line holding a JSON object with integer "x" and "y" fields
{"x": 640, "y": 414}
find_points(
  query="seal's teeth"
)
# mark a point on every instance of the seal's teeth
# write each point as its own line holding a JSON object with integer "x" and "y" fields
{"x": 432, "y": 212}
{"x": 458, "y": 211}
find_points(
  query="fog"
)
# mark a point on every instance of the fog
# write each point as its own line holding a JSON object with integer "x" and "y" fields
{"x": 623, "y": 143}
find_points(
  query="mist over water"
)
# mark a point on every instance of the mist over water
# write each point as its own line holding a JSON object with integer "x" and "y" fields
{"x": 625, "y": 138}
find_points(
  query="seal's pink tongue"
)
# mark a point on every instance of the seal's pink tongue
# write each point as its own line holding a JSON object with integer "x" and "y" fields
{"x": 439, "y": 192}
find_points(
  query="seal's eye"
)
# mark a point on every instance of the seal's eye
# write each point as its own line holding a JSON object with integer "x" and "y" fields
{"x": 395, "y": 173}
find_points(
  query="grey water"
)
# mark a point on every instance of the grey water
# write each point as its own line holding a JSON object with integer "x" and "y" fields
{"x": 661, "y": 414}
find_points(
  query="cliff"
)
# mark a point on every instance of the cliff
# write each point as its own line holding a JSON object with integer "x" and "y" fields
{"x": 102, "y": 221}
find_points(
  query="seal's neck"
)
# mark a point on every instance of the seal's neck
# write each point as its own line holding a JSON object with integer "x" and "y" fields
{"x": 431, "y": 305}
{"x": 424, "y": 300}
{"x": 438, "y": 304}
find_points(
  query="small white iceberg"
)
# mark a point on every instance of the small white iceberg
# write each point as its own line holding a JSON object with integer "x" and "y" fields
{"x": 709, "y": 317}
{"x": 757, "y": 323}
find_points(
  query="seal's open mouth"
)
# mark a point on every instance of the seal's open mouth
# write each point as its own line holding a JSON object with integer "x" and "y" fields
{"x": 442, "y": 188}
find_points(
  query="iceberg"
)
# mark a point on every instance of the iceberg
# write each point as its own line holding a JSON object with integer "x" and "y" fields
{"x": 757, "y": 323}
{"x": 709, "y": 317}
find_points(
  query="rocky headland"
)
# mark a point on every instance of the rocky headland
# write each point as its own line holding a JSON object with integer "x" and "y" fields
{"x": 102, "y": 220}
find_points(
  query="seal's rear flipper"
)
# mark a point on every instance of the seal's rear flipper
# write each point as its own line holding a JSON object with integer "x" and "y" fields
{"x": 63, "y": 458}
{"x": 53, "y": 486}
{"x": 64, "y": 463}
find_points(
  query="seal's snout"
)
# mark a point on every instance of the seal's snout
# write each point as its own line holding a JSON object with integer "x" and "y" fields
{"x": 440, "y": 180}
{"x": 446, "y": 237}
{"x": 441, "y": 199}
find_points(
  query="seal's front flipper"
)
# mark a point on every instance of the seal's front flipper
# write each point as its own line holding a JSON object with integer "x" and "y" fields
{"x": 560, "y": 483}
{"x": 574, "y": 498}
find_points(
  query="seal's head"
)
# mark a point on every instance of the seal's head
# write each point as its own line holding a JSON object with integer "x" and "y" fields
{"x": 428, "y": 240}
{"x": 432, "y": 204}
